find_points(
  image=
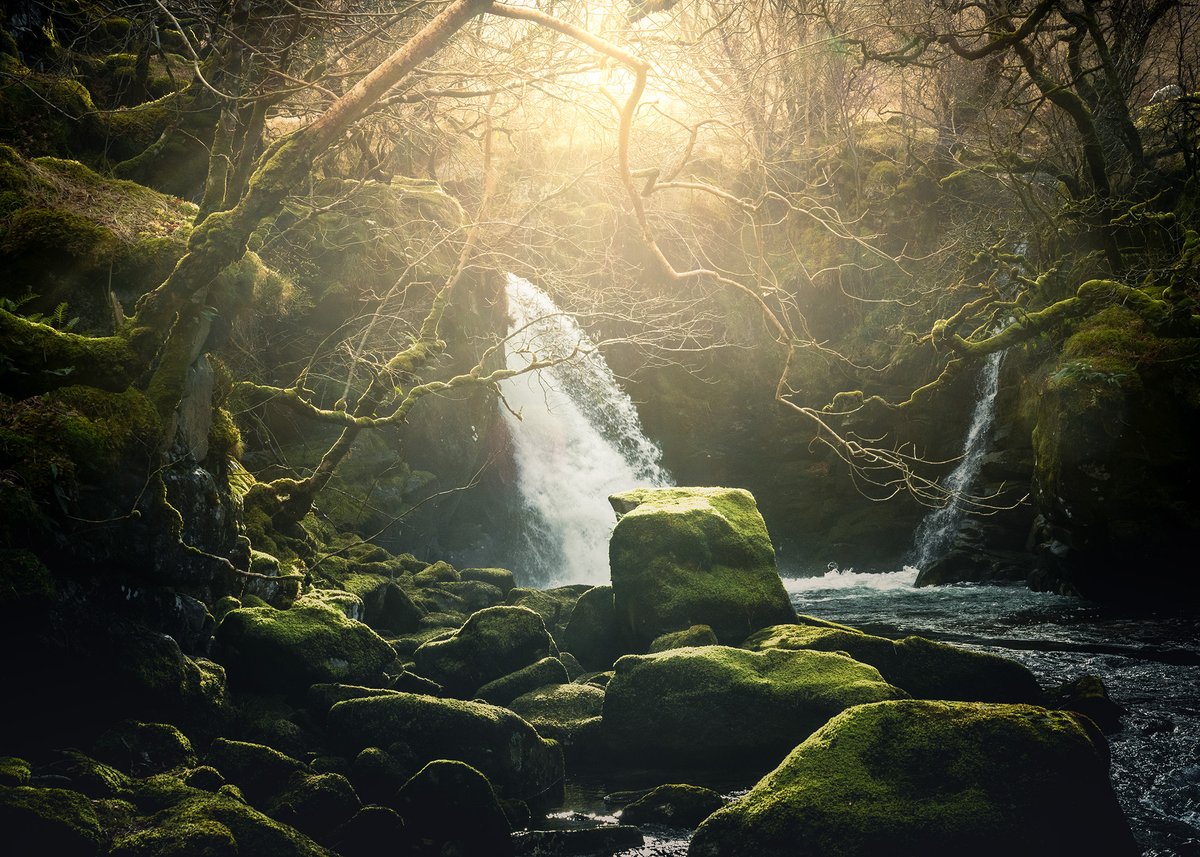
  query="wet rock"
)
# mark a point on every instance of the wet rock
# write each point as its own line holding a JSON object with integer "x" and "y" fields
{"x": 1087, "y": 695}
{"x": 449, "y": 808}
{"x": 717, "y": 704}
{"x": 674, "y": 805}
{"x": 924, "y": 668}
{"x": 682, "y": 556}
{"x": 288, "y": 650}
{"x": 917, "y": 777}
{"x": 493, "y": 643}
{"x": 506, "y": 749}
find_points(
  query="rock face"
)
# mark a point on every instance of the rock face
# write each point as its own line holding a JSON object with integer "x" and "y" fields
{"x": 924, "y": 668}
{"x": 506, "y": 749}
{"x": 686, "y": 556}
{"x": 919, "y": 777}
{"x": 492, "y": 644}
{"x": 718, "y": 704}
{"x": 288, "y": 650}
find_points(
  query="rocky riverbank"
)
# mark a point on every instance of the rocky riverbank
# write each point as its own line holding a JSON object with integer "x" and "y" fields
{"x": 396, "y": 706}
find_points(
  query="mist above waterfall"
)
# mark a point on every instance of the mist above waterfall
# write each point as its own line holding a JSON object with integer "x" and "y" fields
{"x": 576, "y": 438}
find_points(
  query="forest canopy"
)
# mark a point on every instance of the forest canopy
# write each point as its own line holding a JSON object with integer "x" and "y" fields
{"x": 292, "y": 220}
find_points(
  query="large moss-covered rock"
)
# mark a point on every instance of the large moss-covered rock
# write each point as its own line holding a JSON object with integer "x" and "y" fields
{"x": 924, "y": 668}
{"x": 450, "y": 808}
{"x": 144, "y": 748}
{"x": 518, "y": 762}
{"x": 260, "y": 772}
{"x": 48, "y": 821}
{"x": 493, "y": 643}
{"x": 686, "y": 556}
{"x": 213, "y": 826}
{"x": 568, "y": 713}
{"x": 920, "y": 777}
{"x": 697, "y": 635}
{"x": 288, "y": 650}
{"x": 591, "y": 633}
{"x": 717, "y": 704}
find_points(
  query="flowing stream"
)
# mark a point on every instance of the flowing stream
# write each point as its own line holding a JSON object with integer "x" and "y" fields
{"x": 577, "y": 440}
{"x": 936, "y": 533}
{"x": 1150, "y": 664}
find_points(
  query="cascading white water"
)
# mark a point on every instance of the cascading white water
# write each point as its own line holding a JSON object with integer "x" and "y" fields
{"x": 937, "y": 531}
{"x": 578, "y": 440}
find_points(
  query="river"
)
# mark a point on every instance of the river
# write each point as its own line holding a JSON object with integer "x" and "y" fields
{"x": 1149, "y": 662}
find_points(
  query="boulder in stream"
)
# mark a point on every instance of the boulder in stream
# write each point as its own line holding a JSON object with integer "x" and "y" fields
{"x": 918, "y": 777}
{"x": 717, "y": 705}
{"x": 686, "y": 556}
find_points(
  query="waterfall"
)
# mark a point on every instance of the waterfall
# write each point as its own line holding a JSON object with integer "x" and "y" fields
{"x": 578, "y": 439}
{"x": 937, "y": 531}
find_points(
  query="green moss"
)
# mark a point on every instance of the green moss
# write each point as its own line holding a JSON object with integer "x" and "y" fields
{"x": 736, "y": 705}
{"x": 13, "y": 771}
{"x": 495, "y": 741}
{"x": 288, "y": 650}
{"x": 101, "y": 430}
{"x": 568, "y": 713}
{"x": 501, "y": 578}
{"x": 439, "y": 572}
{"x": 493, "y": 643}
{"x": 213, "y": 825}
{"x": 140, "y": 748}
{"x": 674, "y": 805}
{"x": 262, "y": 773}
{"x": 685, "y": 556}
{"x": 501, "y": 691}
{"x": 697, "y": 635}
{"x": 919, "y": 777}
{"x": 49, "y": 821}
{"x": 923, "y": 668}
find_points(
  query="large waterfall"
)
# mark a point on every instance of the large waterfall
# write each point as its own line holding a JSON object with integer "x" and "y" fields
{"x": 936, "y": 533}
{"x": 578, "y": 439}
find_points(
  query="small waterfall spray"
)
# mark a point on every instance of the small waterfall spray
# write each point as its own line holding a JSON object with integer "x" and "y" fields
{"x": 578, "y": 440}
{"x": 937, "y": 531}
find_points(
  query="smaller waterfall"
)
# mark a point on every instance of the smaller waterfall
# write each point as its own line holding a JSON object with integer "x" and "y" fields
{"x": 937, "y": 531}
{"x": 578, "y": 440}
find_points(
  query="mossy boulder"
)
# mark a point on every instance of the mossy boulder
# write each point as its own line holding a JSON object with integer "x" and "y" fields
{"x": 288, "y": 650}
{"x": 213, "y": 825}
{"x": 924, "y": 668}
{"x": 387, "y": 606}
{"x": 716, "y": 704}
{"x": 917, "y": 777}
{"x": 555, "y": 605}
{"x": 686, "y": 556}
{"x": 49, "y": 821}
{"x": 373, "y": 831}
{"x": 673, "y": 805}
{"x": 697, "y": 635}
{"x": 1115, "y": 470}
{"x": 83, "y": 774}
{"x": 260, "y": 772}
{"x": 547, "y": 671}
{"x": 1087, "y": 695}
{"x": 316, "y": 805}
{"x": 591, "y": 633}
{"x": 439, "y": 572}
{"x": 518, "y": 762}
{"x": 493, "y": 643}
{"x": 568, "y": 713}
{"x": 475, "y": 594}
{"x": 139, "y": 748}
{"x": 501, "y": 578}
{"x": 14, "y": 771}
{"x": 449, "y": 808}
